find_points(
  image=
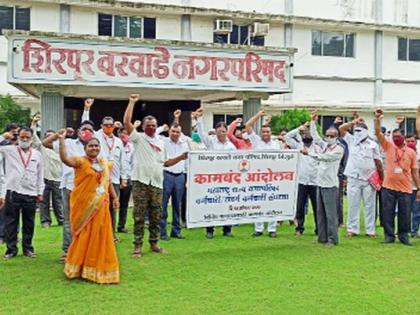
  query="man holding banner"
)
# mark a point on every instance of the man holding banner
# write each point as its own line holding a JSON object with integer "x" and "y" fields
{"x": 262, "y": 142}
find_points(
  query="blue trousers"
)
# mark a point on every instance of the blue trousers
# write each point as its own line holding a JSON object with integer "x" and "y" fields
{"x": 173, "y": 187}
{"x": 415, "y": 215}
{"x": 391, "y": 199}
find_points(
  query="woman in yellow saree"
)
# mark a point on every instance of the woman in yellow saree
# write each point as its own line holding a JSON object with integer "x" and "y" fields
{"x": 92, "y": 255}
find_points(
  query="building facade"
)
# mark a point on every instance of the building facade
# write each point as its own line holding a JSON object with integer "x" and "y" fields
{"x": 352, "y": 55}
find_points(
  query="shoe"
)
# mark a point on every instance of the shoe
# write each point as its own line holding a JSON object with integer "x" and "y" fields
{"x": 298, "y": 233}
{"x": 371, "y": 235}
{"x": 257, "y": 234}
{"x": 329, "y": 244}
{"x": 137, "y": 252}
{"x": 388, "y": 241}
{"x": 46, "y": 225}
{"x": 414, "y": 235}
{"x": 164, "y": 238}
{"x": 406, "y": 242}
{"x": 209, "y": 235}
{"x": 29, "y": 254}
{"x": 122, "y": 230}
{"x": 178, "y": 236}
{"x": 228, "y": 234}
{"x": 8, "y": 256}
{"x": 156, "y": 249}
{"x": 350, "y": 234}
{"x": 272, "y": 234}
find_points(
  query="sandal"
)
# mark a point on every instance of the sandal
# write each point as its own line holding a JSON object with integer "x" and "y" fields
{"x": 63, "y": 259}
{"x": 137, "y": 253}
{"x": 157, "y": 249}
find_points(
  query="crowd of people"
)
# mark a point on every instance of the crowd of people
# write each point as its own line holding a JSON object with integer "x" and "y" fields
{"x": 89, "y": 174}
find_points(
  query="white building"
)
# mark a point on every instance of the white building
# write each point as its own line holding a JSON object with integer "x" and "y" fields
{"x": 351, "y": 54}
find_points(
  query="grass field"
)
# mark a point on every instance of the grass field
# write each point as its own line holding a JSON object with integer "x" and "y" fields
{"x": 240, "y": 275}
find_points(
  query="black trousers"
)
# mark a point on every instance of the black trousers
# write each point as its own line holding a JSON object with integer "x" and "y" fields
{"x": 226, "y": 229}
{"x": 15, "y": 204}
{"x": 125, "y": 194}
{"x": 340, "y": 204}
{"x": 184, "y": 204}
{"x": 391, "y": 199}
{"x": 305, "y": 192}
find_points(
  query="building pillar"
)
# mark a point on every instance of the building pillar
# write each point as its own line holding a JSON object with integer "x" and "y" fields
{"x": 288, "y": 36}
{"x": 250, "y": 107}
{"x": 52, "y": 111}
{"x": 186, "y": 28}
{"x": 64, "y": 18}
{"x": 378, "y": 88}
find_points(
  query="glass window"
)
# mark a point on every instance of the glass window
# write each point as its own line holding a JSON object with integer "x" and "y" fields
{"x": 332, "y": 44}
{"x": 414, "y": 50}
{"x": 258, "y": 40}
{"x": 120, "y": 26}
{"x": 402, "y": 48}
{"x": 6, "y": 18}
{"x": 149, "y": 27}
{"x": 220, "y": 38}
{"x": 105, "y": 24}
{"x": 349, "y": 45}
{"x": 316, "y": 43}
{"x": 234, "y": 35}
{"x": 243, "y": 35}
{"x": 135, "y": 27}
{"x": 23, "y": 19}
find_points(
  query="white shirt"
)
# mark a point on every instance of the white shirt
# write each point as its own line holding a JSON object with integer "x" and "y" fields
{"x": 53, "y": 167}
{"x": 362, "y": 156}
{"x": 74, "y": 147}
{"x": 26, "y": 180}
{"x": 259, "y": 144}
{"x": 149, "y": 157}
{"x": 211, "y": 142}
{"x": 112, "y": 149}
{"x": 307, "y": 166}
{"x": 329, "y": 157}
{"x": 129, "y": 158}
{"x": 2, "y": 179}
{"x": 174, "y": 149}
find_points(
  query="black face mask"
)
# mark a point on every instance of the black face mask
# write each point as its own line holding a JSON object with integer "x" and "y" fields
{"x": 307, "y": 141}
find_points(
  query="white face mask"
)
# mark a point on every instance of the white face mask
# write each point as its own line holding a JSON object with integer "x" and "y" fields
{"x": 361, "y": 135}
{"x": 245, "y": 136}
{"x": 24, "y": 144}
{"x": 331, "y": 141}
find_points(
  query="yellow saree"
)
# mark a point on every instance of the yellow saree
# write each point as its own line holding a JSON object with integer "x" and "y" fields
{"x": 92, "y": 255}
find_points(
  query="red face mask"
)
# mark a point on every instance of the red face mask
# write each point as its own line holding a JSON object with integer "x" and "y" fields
{"x": 412, "y": 145}
{"x": 398, "y": 140}
{"x": 85, "y": 135}
{"x": 150, "y": 131}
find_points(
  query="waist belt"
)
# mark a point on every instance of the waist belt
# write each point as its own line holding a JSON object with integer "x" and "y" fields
{"x": 174, "y": 174}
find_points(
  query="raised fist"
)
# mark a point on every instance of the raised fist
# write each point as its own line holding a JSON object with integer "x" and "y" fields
{"x": 89, "y": 102}
{"x": 134, "y": 98}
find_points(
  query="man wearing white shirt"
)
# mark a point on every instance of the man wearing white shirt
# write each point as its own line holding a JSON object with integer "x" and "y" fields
{"x": 262, "y": 142}
{"x": 74, "y": 147}
{"x": 364, "y": 159}
{"x": 150, "y": 158}
{"x": 173, "y": 182}
{"x": 217, "y": 142}
{"x": 329, "y": 158}
{"x": 300, "y": 139}
{"x": 24, "y": 186}
{"x": 112, "y": 149}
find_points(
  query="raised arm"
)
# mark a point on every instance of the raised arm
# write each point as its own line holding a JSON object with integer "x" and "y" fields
{"x": 36, "y": 142}
{"x": 86, "y": 111}
{"x": 128, "y": 115}
{"x": 314, "y": 132}
{"x": 377, "y": 123}
{"x": 48, "y": 142}
{"x": 177, "y": 116}
{"x": 292, "y": 135}
{"x": 61, "y": 134}
{"x": 231, "y": 131}
{"x": 249, "y": 126}
{"x": 200, "y": 127}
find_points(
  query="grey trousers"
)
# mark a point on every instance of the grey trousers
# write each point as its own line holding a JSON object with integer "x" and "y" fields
{"x": 327, "y": 215}
{"x": 66, "y": 219}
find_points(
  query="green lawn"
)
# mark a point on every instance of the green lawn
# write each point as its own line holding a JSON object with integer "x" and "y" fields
{"x": 242, "y": 275}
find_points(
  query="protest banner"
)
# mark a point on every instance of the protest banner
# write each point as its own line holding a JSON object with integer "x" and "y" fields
{"x": 226, "y": 188}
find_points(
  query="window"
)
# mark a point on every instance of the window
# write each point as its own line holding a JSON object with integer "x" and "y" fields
{"x": 408, "y": 126}
{"x": 15, "y": 18}
{"x": 334, "y": 44}
{"x": 240, "y": 35}
{"x": 126, "y": 26}
{"x": 227, "y": 118}
{"x": 408, "y": 49}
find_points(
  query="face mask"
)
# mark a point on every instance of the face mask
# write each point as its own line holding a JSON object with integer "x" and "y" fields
{"x": 24, "y": 144}
{"x": 124, "y": 138}
{"x": 412, "y": 145}
{"x": 150, "y": 131}
{"x": 195, "y": 137}
{"x": 398, "y": 140}
{"x": 307, "y": 141}
{"x": 361, "y": 135}
{"x": 85, "y": 135}
{"x": 245, "y": 136}
{"x": 108, "y": 130}
{"x": 331, "y": 141}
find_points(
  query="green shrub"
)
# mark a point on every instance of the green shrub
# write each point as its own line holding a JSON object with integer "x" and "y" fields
{"x": 11, "y": 112}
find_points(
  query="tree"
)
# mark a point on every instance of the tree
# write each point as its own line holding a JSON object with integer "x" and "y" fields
{"x": 290, "y": 120}
{"x": 11, "y": 112}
